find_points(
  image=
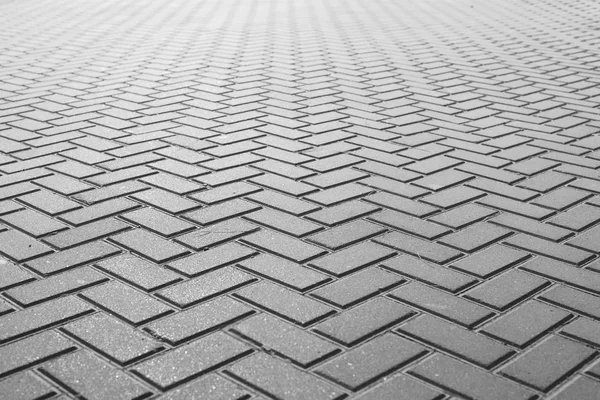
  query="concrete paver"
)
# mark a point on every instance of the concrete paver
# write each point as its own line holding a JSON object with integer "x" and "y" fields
{"x": 220, "y": 199}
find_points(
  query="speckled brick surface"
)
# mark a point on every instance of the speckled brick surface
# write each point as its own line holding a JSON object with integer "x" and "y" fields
{"x": 300, "y": 199}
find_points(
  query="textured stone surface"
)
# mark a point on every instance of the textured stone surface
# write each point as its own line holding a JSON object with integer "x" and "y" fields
{"x": 185, "y": 183}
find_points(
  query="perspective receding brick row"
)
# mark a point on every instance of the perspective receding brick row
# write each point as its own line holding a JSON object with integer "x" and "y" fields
{"x": 300, "y": 200}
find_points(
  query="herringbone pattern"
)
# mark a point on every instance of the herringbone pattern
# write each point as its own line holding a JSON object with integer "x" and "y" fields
{"x": 218, "y": 199}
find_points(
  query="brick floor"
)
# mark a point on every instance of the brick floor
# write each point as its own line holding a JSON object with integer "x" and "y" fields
{"x": 300, "y": 199}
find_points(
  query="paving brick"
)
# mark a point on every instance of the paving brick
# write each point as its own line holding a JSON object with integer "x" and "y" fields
{"x": 549, "y": 363}
{"x": 165, "y": 201}
{"x": 576, "y": 300}
{"x": 580, "y": 388}
{"x": 211, "y": 387}
{"x": 34, "y": 319}
{"x": 48, "y": 202}
{"x": 209, "y": 260}
{"x": 137, "y": 272}
{"x": 367, "y": 363}
{"x": 205, "y": 287}
{"x": 20, "y": 247}
{"x": 17, "y": 190}
{"x": 216, "y": 234}
{"x": 439, "y": 303}
{"x": 283, "y": 222}
{"x": 347, "y": 234}
{"x": 475, "y": 237}
{"x": 187, "y": 362}
{"x": 362, "y": 322}
{"x": 86, "y": 233}
{"x": 199, "y": 320}
{"x": 110, "y": 192}
{"x": 387, "y": 171}
{"x": 462, "y": 216}
{"x": 352, "y": 258}
{"x": 33, "y": 223}
{"x": 526, "y": 324}
{"x": 507, "y": 289}
{"x": 63, "y": 185}
{"x": 401, "y": 204}
{"x": 32, "y": 351}
{"x": 24, "y": 386}
{"x": 150, "y": 246}
{"x": 282, "y": 202}
{"x": 395, "y": 187}
{"x": 453, "y": 197}
{"x": 342, "y": 213}
{"x": 284, "y": 185}
{"x": 112, "y": 338}
{"x": 462, "y": 343}
{"x": 285, "y": 303}
{"x": 516, "y": 207}
{"x": 429, "y": 273}
{"x": 284, "y": 246}
{"x": 468, "y": 381}
{"x": 409, "y": 224}
{"x": 158, "y": 222}
{"x": 570, "y": 275}
{"x": 12, "y": 275}
{"x": 87, "y": 375}
{"x": 531, "y": 227}
{"x": 220, "y": 212}
{"x": 549, "y": 249}
{"x": 339, "y": 194}
{"x": 58, "y": 285}
{"x": 126, "y": 303}
{"x": 400, "y": 387}
{"x": 269, "y": 332}
{"x": 502, "y": 189}
{"x": 280, "y": 380}
{"x": 583, "y": 330}
{"x": 418, "y": 247}
{"x": 98, "y": 211}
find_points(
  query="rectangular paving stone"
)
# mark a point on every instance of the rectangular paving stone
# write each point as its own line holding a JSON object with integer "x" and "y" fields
{"x": 122, "y": 175}
{"x": 549, "y": 363}
{"x": 126, "y": 303}
{"x": 157, "y": 222}
{"x": 578, "y": 218}
{"x": 17, "y": 190}
{"x": 192, "y": 360}
{"x": 412, "y": 225}
{"x": 584, "y": 330}
{"x": 112, "y": 338}
{"x": 394, "y": 187}
{"x": 199, "y": 320}
{"x": 217, "y": 234}
{"x": 363, "y": 365}
{"x": 362, "y": 322}
{"x": 531, "y": 227}
{"x": 432, "y": 274}
{"x": 25, "y": 385}
{"x": 32, "y": 351}
{"x": 475, "y": 237}
{"x": 468, "y": 381}
{"x": 19, "y": 247}
{"x": 549, "y": 249}
{"x": 205, "y": 287}
{"x": 352, "y": 258}
{"x": 58, "y": 285}
{"x": 33, "y": 223}
{"x": 110, "y": 192}
{"x": 507, "y": 289}
{"x": 12, "y": 275}
{"x": 172, "y": 183}
{"x": 283, "y": 271}
{"x": 418, "y": 247}
{"x": 301, "y": 347}
{"x": 453, "y": 197}
{"x": 516, "y": 207}
{"x": 283, "y": 184}
{"x": 442, "y": 304}
{"x": 284, "y": 203}
{"x": 526, "y": 323}
{"x": 460, "y": 342}
{"x": 30, "y": 320}
{"x": 225, "y": 192}
{"x": 71, "y": 258}
{"x": 580, "y": 388}
{"x": 400, "y": 387}
{"x": 462, "y": 216}
{"x": 86, "y": 233}
{"x": 575, "y": 300}
{"x": 562, "y": 272}
{"x": 211, "y": 259}
{"x": 150, "y": 246}
{"x": 98, "y": 211}
{"x": 283, "y": 246}
{"x": 502, "y": 189}
{"x": 211, "y": 387}
{"x": 88, "y": 376}
{"x": 357, "y": 287}
{"x": 587, "y": 241}
{"x": 339, "y": 194}
{"x": 283, "y": 222}
{"x": 285, "y": 303}
{"x": 165, "y": 201}
{"x": 49, "y": 202}
{"x": 137, "y": 272}
{"x": 220, "y": 212}
{"x": 279, "y": 379}
{"x": 490, "y": 261}
{"x": 347, "y": 234}
{"x": 342, "y": 213}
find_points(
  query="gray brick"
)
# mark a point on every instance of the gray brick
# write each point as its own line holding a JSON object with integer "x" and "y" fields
{"x": 98, "y": 211}
{"x": 20, "y": 247}
{"x": 158, "y": 222}
{"x": 205, "y": 287}
{"x": 71, "y": 258}
{"x": 283, "y": 222}
{"x": 187, "y": 362}
{"x": 49, "y": 202}
{"x": 279, "y": 379}
{"x": 217, "y": 234}
{"x": 365, "y": 364}
{"x": 571, "y": 299}
{"x": 475, "y": 237}
{"x": 412, "y": 225}
{"x": 12, "y": 275}
{"x": 33, "y": 223}
{"x": 531, "y": 227}
{"x": 347, "y": 234}
{"x": 92, "y": 378}
{"x": 549, "y": 249}
{"x": 150, "y": 246}
{"x": 339, "y": 194}
{"x": 138, "y": 272}
{"x": 301, "y": 347}
{"x": 211, "y": 387}
{"x": 282, "y": 202}
{"x": 400, "y": 387}
{"x": 285, "y": 303}
{"x": 165, "y": 201}
{"x": 583, "y": 330}
{"x": 418, "y": 247}
{"x": 112, "y": 338}
{"x": 126, "y": 303}
{"x": 284, "y": 246}
{"x": 25, "y": 386}
{"x": 189, "y": 324}
{"x": 86, "y": 233}
{"x": 220, "y": 212}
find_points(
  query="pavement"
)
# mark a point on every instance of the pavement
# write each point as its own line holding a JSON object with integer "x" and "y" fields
{"x": 299, "y": 199}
